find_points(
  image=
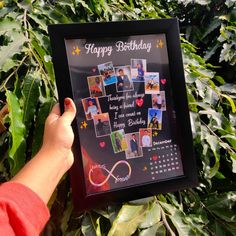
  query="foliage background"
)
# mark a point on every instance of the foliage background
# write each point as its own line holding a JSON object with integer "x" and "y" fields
{"x": 27, "y": 92}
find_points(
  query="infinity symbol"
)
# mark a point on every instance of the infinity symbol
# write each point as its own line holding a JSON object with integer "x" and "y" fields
{"x": 110, "y": 173}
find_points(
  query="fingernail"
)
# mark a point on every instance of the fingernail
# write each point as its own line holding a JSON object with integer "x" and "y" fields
{"x": 66, "y": 103}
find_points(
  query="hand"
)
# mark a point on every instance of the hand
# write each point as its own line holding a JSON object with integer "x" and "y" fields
{"x": 43, "y": 172}
{"x": 58, "y": 133}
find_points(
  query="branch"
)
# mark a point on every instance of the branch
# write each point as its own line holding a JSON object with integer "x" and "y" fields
{"x": 3, "y": 85}
{"x": 163, "y": 216}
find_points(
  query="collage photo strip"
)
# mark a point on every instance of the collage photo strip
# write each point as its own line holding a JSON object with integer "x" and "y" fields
{"x": 124, "y": 78}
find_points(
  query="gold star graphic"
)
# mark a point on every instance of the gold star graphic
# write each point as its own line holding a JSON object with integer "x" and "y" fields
{"x": 83, "y": 125}
{"x": 77, "y": 50}
{"x": 144, "y": 168}
{"x": 155, "y": 133}
{"x": 160, "y": 44}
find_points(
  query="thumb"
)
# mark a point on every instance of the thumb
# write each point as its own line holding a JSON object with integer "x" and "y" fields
{"x": 54, "y": 114}
{"x": 69, "y": 111}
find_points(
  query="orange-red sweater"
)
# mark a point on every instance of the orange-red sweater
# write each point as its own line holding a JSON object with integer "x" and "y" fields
{"x": 22, "y": 212}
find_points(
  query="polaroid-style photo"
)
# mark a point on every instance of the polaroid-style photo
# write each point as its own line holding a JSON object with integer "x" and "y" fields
{"x": 159, "y": 101}
{"x": 108, "y": 73}
{"x": 138, "y": 68}
{"x": 156, "y": 101}
{"x": 124, "y": 82}
{"x": 152, "y": 83}
{"x": 163, "y": 100}
{"x": 102, "y": 124}
{"x": 134, "y": 149}
{"x": 118, "y": 141}
{"x": 95, "y": 85}
{"x": 145, "y": 137}
{"x": 91, "y": 107}
{"x": 154, "y": 118}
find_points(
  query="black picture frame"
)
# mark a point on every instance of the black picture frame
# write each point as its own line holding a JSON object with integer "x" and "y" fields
{"x": 176, "y": 82}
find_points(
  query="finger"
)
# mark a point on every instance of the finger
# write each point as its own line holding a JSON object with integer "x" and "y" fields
{"x": 70, "y": 159}
{"x": 69, "y": 111}
{"x": 54, "y": 114}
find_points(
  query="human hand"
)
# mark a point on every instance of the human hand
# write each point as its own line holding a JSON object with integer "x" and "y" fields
{"x": 43, "y": 172}
{"x": 58, "y": 133}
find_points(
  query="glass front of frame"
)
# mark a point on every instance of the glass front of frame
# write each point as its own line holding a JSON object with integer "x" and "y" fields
{"x": 126, "y": 119}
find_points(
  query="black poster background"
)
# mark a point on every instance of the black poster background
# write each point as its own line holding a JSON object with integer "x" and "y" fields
{"x": 83, "y": 65}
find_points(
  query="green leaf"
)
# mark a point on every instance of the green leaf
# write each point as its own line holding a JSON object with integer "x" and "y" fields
{"x": 13, "y": 47}
{"x": 229, "y": 3}
{"x": 152, "y": 217}
{"x": 69, "y": 4}
{"x": 83, "y": 4}
{"x": 46, "y": 59}
{"x": 211, "y": 50}
{"x": 39, "y": 20}
{"x": 184, "y": 225}
{"x": 44, "y": 110}
{"x": 201, "y": 2}
{"x": 215, "y": 23}
{"x": 217, "y": 229}
{"x": 98, "y": 229}
{"x": 7, "y": 24}
{"x": 25, "y": 4}
{"x": 128, "y": 219}
{"x": 157, "y": 230}
{"x": 9, "y": 63}
{"x": 230, "y": 100}
{"x": 66, "y": 216}
{"x": 30, "y": 98}
{"x": 233, "y": 159}
{"x": 228, "y": 88}
{"x": 214, "y": 145}
{"x": 211, "y": 97}
{"x": 53, "y": 14}
{"x": 216, "y": 116}
{"x": 222, "y": 205}
{"x": 89, "y": 225}
{"x": 142, "y": 201}
{"x": 219, "y": 79}
{"x": 17, "y": 130}
{"x": 231, "y": 139}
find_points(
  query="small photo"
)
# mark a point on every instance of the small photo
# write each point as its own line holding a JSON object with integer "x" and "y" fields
{"x": 124, "y": 82}
{"x": 91, "y": 107}
{"x": 145, "y": 139}
{"x": 118, "y": 141}
{"x": 108, "y": 73}
{"x": 159, "y": 101}
{"x": 138, "y": 68}
{"x": 134, "y": 149}
{"x": 152, "y": 83}
{"x": 96, "y": 87}
{"x": 163, "y": 100}
{"x": 154, "y": 118}
{"x": 102, "y": 124}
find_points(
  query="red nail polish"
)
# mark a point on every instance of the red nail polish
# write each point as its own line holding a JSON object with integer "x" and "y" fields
{"x": 66, "y": 102}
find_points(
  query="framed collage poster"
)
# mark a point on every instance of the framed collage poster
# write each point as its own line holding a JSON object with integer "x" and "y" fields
{"x": 132, "y": 129}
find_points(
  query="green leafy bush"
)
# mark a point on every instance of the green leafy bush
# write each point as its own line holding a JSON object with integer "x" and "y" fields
{"x": 27, "y": 86}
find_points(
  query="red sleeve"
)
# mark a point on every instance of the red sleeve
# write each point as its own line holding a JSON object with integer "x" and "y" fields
{"x": 22, "y": 212}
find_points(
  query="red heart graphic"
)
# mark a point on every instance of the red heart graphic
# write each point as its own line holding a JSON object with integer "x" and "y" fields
{"x": 102, "y": 144}
{"x": 94, "y": 70}
{"x": 163, "y": 81}
{"x": 139, "y": 102}
{"x": 154, "y": 158}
